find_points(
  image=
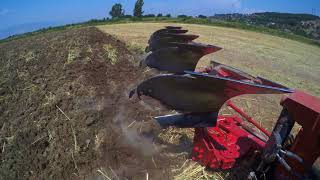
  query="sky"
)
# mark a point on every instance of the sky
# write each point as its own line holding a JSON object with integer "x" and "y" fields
{"x": 24, "y": 14}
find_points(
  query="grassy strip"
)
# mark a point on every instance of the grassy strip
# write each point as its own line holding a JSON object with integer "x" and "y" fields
{"x": 237, "y": 25}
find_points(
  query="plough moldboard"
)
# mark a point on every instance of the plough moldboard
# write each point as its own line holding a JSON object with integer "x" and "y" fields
{"x": 222, "y": 142}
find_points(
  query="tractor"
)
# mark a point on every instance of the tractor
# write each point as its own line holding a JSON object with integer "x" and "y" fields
{"x": 223, "y": 142}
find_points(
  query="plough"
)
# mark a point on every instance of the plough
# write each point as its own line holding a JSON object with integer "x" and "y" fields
{"x": 224, "y": 142}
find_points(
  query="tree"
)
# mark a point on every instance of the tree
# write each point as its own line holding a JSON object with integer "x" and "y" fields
{"x": 182, "y": 16}
{"x": 116, "y": 11}
{"x": 137, "y": 12}
{"x": 159, "y": 15}
{"x": 150, "y": 15}
{"x": 127, "y": 16}
{"x": 202, "y": 16}
{"x": 168, "y": 15}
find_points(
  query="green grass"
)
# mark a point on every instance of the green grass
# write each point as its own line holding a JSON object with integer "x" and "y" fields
{"x": 237, "y": 25}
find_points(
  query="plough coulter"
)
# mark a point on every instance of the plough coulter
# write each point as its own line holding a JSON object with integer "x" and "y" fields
{"x": 225, "y": 142}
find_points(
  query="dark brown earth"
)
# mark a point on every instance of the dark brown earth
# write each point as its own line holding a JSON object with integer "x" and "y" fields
{"x": 65, "y": 114}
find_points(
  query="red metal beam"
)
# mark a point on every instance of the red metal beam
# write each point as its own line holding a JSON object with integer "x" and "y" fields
{"x": 248, "y": 118}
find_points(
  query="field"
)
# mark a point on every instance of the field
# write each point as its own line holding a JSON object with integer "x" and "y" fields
{"x": 65, "y": 112}
{"x": 289, "y": 62}
{"x": 292, "y": 63}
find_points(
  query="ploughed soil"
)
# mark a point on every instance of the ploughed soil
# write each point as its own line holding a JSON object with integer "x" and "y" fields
{"x": 65, "y": 112}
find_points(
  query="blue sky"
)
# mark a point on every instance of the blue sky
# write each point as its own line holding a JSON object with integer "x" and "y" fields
{"x": 15, "y": 13}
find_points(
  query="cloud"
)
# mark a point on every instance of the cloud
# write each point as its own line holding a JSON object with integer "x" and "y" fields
{"x": 4, "y": 12}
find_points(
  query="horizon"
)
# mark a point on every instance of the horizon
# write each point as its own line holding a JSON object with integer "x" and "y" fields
{"x": 17, "y": 17}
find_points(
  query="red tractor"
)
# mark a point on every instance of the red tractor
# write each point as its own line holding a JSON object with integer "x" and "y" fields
{"x": 225, "y": 142}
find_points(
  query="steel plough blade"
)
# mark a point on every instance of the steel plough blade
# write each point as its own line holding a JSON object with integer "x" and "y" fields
{"x": 198, "y": 96}
{"x": 196, "y": 92}
{"x": 179, "y": 57}
{"x": 168, "y": 39}
{"x": 173, "y": 27}
{"x": 162, "y": 32}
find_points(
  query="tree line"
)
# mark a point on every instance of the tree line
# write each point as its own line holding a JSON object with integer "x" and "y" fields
{"x": 117, "y": 11}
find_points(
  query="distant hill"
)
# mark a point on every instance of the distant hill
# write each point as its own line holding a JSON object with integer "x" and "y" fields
{"x": 301, "y": 24}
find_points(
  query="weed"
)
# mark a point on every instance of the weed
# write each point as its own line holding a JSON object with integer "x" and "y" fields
{"x": 49, "y": 99}
{"x": 89, "y": 49}
{"x": 110, "y": 53}
{"x": 72, "y": 55}
{"x": 23, "y": 75}
{"x": 29, "y": 56}
{"x": 34, "y": 89}
{"x": 192, "y": 170}
{"x": 103, "y": 173}
{"x": 135, "y": 47}
{"x": 76, "y": 147}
